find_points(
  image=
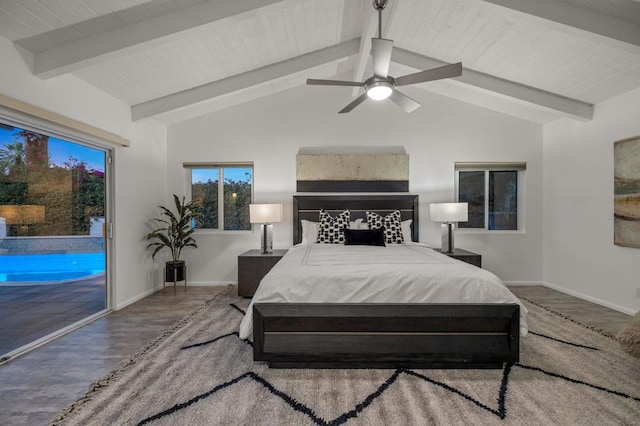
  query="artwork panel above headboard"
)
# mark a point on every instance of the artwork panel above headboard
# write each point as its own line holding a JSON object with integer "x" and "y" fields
{"x": 352, "y": 172}
{"x": 307, "y": 207}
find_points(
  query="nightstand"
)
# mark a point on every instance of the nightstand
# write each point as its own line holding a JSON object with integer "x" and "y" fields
{"x": 465, "y": 256}
{"x": 252, "y": 266}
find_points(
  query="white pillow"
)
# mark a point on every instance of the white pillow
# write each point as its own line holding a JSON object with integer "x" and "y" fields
{"x": 357, "y": 224}
{"x": 406, "y": 230}
{"x": 309, "y": 231}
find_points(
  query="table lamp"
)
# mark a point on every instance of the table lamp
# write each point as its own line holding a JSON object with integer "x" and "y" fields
{"x": 266, "y": 214}
{"x": 448, "y": 213}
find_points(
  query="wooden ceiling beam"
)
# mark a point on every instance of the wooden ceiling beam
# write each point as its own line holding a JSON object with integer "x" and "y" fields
{"x": 368, "y": 30}
{"x": 237, "y": 82}
{"x": 530, "y": 95}
{"x": 155, "y": 31}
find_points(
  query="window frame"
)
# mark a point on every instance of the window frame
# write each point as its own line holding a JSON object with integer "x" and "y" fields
{"x": 189, "y": 167}
{"x": 519, "y": 167}
{"x": 28, "y": 118}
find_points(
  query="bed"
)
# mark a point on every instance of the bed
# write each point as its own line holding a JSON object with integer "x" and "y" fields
{"x": 399, "y": 306}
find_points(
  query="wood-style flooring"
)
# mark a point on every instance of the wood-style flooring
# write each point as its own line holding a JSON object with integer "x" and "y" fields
{"x": 596, "y": 316}
{"x": 37, "y": 385}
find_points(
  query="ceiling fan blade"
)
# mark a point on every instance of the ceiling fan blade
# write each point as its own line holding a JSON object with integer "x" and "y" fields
{"x": 404, "y": 101}
{"x": 446, "y": 71}
{"x": 357, "y": 101}
{"x": 381, "y": 56}
{"x": 334, "y": 82}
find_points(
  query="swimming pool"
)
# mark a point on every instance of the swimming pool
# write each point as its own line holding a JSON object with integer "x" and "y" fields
{"x": 41, "y": 268}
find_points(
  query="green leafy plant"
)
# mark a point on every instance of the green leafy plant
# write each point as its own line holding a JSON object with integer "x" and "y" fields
{"x": 175, "y": 229}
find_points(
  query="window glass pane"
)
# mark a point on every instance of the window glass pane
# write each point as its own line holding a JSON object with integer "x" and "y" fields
{"x": 52, "y": 242}
{"x": 204, "y": 193}
{"x": 237, "y": 197}
{"x": 503, "y": 197}
{"x": 471, "y": 190}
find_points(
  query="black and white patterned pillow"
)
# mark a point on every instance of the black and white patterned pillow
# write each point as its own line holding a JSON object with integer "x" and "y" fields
{"x": 331, "y": 230}
{"x": 391, "y": 223}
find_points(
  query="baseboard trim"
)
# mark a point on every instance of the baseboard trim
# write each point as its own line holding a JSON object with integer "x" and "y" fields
{"x": 211, "y": 283}
{"x": 134, "y": 299}
{"x": 522, "y": 283}
{"x": 615, "y": 307}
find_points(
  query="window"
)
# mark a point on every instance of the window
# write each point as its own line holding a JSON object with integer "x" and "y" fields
{"x": 493, "y": 191}
{"x": 223, "y": 206}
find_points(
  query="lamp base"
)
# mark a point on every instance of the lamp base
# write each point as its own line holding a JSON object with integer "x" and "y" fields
{"x": 266, "y": 240}
{"x": 447, "y": 237}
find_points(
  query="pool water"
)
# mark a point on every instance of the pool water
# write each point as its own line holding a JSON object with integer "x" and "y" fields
{"x": 50, "y": 267}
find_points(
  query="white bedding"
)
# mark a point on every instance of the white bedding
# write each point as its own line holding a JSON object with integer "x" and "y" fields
{"x": 411, "y": 273}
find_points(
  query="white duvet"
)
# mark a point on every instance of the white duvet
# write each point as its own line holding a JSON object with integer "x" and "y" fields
{"x": 334, "y": 273}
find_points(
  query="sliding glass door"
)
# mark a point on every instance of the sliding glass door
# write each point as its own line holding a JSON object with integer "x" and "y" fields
{"x": 53, "y": 263}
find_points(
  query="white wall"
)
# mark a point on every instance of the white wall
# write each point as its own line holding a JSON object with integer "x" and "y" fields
{"x": 579, "y": 255}
{"x": 140, "y": 189}
{"x": 140, "y": 170}
{"x": 270, "y": 131}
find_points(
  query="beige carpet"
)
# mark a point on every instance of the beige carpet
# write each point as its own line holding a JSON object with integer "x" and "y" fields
{"x": 201, "y": 373}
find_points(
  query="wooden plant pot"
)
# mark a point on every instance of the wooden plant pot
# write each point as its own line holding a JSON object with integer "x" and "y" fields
{"x": 174, "y": 272}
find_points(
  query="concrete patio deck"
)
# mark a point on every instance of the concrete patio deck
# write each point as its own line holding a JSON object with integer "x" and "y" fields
{"x": 30, "y": 312}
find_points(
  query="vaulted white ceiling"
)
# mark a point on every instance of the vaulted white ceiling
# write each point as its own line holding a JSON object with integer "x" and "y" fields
{"x": 172, "y": 60}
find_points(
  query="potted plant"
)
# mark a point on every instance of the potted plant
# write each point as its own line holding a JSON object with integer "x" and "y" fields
{"x": 174, "y": 233}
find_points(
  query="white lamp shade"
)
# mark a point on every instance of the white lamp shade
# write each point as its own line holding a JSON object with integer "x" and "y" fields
{"x": 265, "y": 213}
{"x": 449, "y": 212}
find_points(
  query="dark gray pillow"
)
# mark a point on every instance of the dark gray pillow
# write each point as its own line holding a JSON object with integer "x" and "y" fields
{"x": 364, "y": 237}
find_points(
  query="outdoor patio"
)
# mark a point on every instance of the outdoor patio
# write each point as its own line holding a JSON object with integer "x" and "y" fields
{"x": 29, "y": 312}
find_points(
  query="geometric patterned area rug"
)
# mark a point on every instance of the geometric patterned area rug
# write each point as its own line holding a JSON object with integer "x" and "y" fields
{"x": 201, "y": 373}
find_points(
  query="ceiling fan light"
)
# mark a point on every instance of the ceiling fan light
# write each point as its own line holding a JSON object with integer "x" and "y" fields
{"x": 379, "y": 90}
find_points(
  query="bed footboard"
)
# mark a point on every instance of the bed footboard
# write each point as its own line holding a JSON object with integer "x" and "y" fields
{"x": 315, "y": 335}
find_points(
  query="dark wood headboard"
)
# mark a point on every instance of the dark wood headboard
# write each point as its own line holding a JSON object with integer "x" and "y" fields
{"x": 308, "y": 207}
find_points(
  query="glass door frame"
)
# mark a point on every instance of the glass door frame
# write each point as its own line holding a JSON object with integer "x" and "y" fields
{"x": 59, "y": 131}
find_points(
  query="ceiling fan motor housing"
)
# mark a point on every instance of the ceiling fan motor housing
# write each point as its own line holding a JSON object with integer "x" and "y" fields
{"x": 379, "y": 4}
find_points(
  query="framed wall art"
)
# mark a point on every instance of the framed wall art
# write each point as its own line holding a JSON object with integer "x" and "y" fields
{"x": 627, "y": 192}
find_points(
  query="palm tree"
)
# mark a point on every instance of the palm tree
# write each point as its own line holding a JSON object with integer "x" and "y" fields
{"x": 37, "y": 151}
{"x": 13, "y": 161}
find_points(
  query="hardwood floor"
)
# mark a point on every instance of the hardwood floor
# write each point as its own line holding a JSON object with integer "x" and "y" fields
{"x": 37, "y": 385}
{"x": 596, "y": 316}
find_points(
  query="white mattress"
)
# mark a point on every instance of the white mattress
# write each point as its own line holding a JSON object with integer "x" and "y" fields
{"x": 412, "y": 273}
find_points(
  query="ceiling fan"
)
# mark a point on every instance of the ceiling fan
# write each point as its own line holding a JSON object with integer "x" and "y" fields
{"x": 381, "y": 85}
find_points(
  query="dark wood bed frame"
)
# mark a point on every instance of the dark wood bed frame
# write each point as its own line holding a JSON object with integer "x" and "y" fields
{"x": 377, "y": 335}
